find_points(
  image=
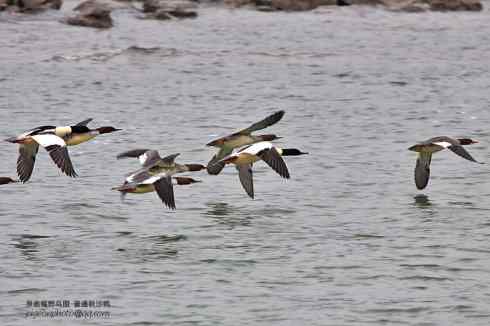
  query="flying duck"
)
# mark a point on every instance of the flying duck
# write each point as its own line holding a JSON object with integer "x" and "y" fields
{"x": 148, "y": 183}
{"x": 241, "y": 138}
{"x": 54, "y": 140}
{"x": 265, "y": 151}
{"x": 426, "y": 148}
{"x": 158, "y": 171}
{"x": 80, "y": 133}
{"x": 153, "y": 163}
{"x": 6, "y": 180}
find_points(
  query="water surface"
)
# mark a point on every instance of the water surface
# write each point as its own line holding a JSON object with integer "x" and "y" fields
{"x": 347, "y": 241}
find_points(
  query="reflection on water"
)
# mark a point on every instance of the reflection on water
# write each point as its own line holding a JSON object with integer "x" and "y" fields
{"x": 165, "y": 238}
{"x": 226, "y": 214}
{"x": 422, "y": 200}
{"x": 150, "y": 248}
{"x": 462, "y": 203}
{"x": 28, "y": 245}
{"x": 219, "y": 209}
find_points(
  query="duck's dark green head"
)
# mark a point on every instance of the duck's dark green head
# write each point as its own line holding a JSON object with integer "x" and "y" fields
{"x": 185, "y": 180}
{"x": 467, "y": 141}
{"x": 292, "y": 152}
{"x": 106, "y": 130}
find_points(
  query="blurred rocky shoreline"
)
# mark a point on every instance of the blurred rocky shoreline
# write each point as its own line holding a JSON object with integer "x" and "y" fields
{"x": 97, "y": 13}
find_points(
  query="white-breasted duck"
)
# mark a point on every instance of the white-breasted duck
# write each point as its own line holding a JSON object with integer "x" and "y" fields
{"x": 148, "y": 183}
{"x": 55, "y": 140}
{"x": 241, "y": 138}
{"x": 426, "y": 148}
{"x": 153, "y": 163}
{"x": 157, "y": 171}
{"x": 80, "y": 133}
{"x": 265, "y": 151}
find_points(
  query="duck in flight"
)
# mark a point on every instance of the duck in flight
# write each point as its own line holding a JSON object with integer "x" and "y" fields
{"x": 6, "y": 180}
{"x": 265, "y": 151}
{"x": 241, "y": 138}
{"x": 157, "y": 172}
{"x": 54, "y": 140}
{"x": 426, "y": 148}
{"x": 147, "y": 183}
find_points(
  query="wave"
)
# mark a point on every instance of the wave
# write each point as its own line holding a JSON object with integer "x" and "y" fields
{"x": 102, "y": 56}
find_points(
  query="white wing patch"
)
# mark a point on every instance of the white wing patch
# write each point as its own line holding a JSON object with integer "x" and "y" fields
{"x": 154, "y": 178}
{"x": 142, "y": 158}
{"x": 444, "y": 144}
{"x": 256, "y": 148}
{"x": 48, "y": 140}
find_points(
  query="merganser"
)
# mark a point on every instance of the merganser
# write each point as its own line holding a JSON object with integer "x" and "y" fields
{"x": 158, "y": 171}
{"x": 153, "y": 163}
{"x": 154, "y": 183}
{"x": 54, "y": 140}
{"x": 265, "y": 151}
{"x": 80, "y": 133}
{"x": 426, "y": 148}
{"x": 241, "y": 138}
{"x": 6, "y": 180}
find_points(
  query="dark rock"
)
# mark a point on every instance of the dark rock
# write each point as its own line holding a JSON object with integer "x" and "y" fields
{"x": 295, "y": 5}
{"x": 260, "y": 3}
{"x": 93, "y": 13}
{"x": 160, "y": 9}
{"x": 37, "y": 5}
{"x": 238, "y": 3}
{"x": 3, "y": 5}
{"x": 413, "y": 6}
{"x": 454, "y": 5}
{"x": 150, "y": 5}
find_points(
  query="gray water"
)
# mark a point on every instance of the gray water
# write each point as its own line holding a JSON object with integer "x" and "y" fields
{"x": 347, "y": 241}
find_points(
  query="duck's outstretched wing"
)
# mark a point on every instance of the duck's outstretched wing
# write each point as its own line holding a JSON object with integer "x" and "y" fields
{"x": 84, "y": 122}
{"x": 422, "y": 169}
{"x": 170, "y": 158}
{"x": 262, "y": 124}
{"x": 214, "y": 166}
{"x": 147, "y": 157}
{"x": 26, "y": 160}
{"x": 56, "y": 148}
{"x": 460, "y": 151}
{"x": 132, "y": 153}
{"x": 269, "y": 121}
{"x": 165, "y": 191}
{"x": 274, "y": 160}
{"x": 246, "y": 178}
{"x": 137, "y": 177}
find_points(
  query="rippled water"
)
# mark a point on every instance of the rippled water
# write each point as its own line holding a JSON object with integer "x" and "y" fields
{"x": 347, "y": 241}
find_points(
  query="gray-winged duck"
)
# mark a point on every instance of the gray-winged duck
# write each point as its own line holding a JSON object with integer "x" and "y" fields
{"x": 265, "y": 151}
{"x": 241, "y": 138}
{"x": 148, "y": 183}
{"x": 426, "y": 148}
{"x": 54, "y": 140}
{"x": 157, "y": 171}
